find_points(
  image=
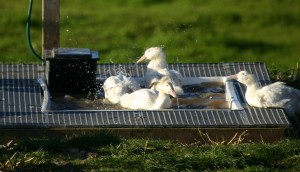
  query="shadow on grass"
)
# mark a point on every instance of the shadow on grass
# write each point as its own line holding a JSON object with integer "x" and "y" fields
{"x": 54, "y": 167}
{"x": 54, "y": 154}
{"x": 81, "y": 142}
{"x": 256, "y": 46}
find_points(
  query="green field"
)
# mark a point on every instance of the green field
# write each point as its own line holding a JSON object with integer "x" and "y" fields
{"x": 193, "y": 31}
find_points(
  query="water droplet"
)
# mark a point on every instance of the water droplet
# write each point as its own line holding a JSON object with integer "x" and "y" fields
{"x": 31, "y": 106}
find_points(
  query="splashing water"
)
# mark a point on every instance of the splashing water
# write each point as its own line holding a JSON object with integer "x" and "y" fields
{"x": 178, "y": 105}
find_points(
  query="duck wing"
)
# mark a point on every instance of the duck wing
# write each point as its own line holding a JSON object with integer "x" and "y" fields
{"x": 116, "y": 86}
{"x": 275, "y": 95}
{"x": 152, "y": 76}
{"x": 131, "y": 84}
{"x": 176, "y": 76}
{"x": 176, "y": 79}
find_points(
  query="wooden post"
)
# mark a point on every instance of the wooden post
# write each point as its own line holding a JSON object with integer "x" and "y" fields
{"x": 51, "y": 15}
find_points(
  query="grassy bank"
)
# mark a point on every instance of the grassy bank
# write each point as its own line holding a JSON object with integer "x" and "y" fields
{"x": 105, "y": 152}
{"x": 191, "y": 31}
{"x": 194, "y": 31}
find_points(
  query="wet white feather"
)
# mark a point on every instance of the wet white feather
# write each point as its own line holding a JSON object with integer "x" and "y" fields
{"x": 149, "y": 99}
{"x": 276, "y": 95}
{"x": 116, "y": 86}
{"x": 157, "y": 68}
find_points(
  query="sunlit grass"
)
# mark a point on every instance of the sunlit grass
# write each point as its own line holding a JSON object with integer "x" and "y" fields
{"x": 191, "y": 31}
{"x": 107, "y": 152}
{"x": 196, "y": 31}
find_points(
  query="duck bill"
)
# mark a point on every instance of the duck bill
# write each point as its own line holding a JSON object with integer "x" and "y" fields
{"x": 141, "y": 59}
{"x": 232, "y": 77}
{"x": 173, "y": 94}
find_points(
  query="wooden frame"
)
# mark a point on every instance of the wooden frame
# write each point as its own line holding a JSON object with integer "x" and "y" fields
{"x": 51, "y": 24}
{"x": 180, "y": 135}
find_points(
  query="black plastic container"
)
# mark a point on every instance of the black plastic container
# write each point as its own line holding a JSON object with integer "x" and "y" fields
{"x": 71, "y": 70}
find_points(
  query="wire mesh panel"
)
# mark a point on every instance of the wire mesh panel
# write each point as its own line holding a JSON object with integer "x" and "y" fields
{"x": 21, "y": 101}
{"x": 20, "y": 95}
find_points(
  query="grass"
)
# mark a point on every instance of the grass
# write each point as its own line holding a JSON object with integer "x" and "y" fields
{"x": 190, "y": 31}
{"x": 106, "y": 152}
{"x": 194, "y": 31}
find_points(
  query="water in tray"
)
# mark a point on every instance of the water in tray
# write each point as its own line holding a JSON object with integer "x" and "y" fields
{"x": 208, "y": 95}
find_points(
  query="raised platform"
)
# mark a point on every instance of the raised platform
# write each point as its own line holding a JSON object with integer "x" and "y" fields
{"x": 21, "y": 101}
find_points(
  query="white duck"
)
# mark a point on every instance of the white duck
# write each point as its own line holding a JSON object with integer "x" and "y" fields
{"x": 116, "y": 86}
{"x": 157, "y": 68}
{"x": 149, "y": 99}
{"x": 274, "y": 95}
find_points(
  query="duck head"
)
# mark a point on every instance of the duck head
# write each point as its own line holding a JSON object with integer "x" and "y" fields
{"x": 167, "y": 87}
{"x": 153, "y": 53}
{"x": 244, "y": 77}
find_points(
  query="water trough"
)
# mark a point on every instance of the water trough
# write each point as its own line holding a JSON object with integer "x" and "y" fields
{"x": 215, "y": 92}
{"x": 24, "y": 107}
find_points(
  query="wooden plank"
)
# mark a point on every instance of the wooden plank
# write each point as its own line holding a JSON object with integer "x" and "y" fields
{"x": 180, "y": 135}
{"x": 51, "y": 24}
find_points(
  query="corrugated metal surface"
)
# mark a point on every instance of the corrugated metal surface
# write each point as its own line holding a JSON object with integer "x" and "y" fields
{"x": 21, "y": 101}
